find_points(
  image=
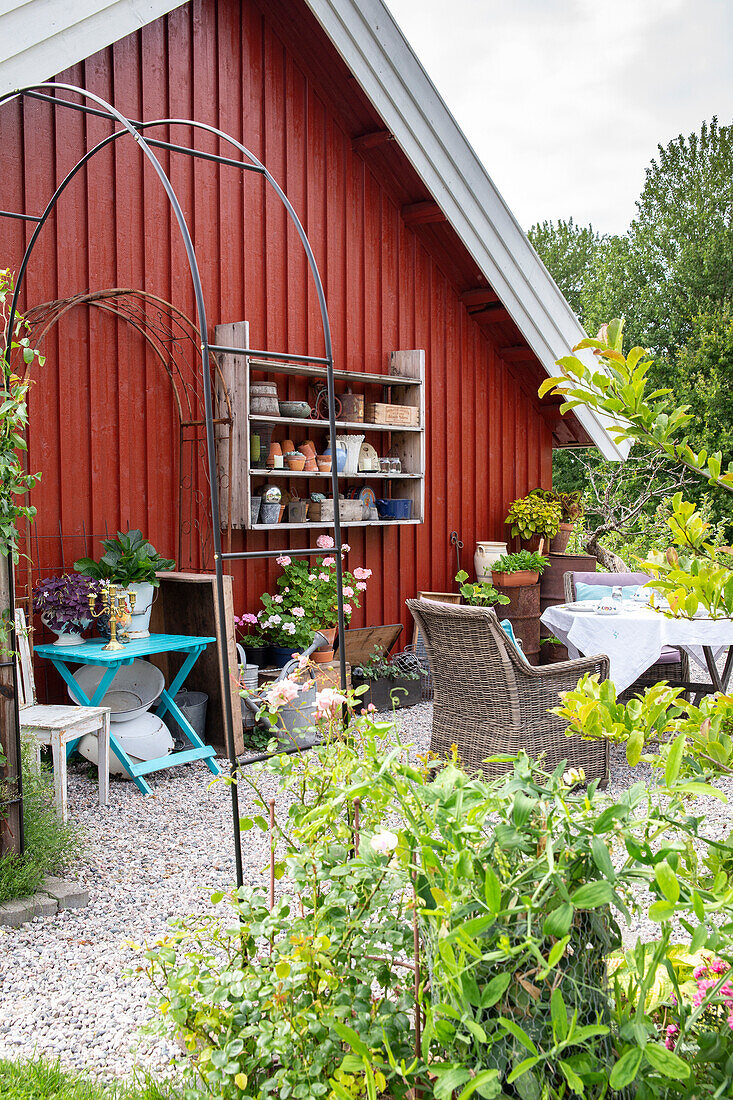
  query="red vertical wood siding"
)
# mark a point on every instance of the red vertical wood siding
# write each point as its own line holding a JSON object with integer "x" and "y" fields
{"x": 104, "y": 431}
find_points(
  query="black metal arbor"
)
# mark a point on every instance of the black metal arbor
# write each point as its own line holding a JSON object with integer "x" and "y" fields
{"x": 134, "y": 130}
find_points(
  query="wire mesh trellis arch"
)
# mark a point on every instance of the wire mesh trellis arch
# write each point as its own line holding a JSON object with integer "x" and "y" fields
{"x": 174, "y": 341}
{"x": 134, "y": 129}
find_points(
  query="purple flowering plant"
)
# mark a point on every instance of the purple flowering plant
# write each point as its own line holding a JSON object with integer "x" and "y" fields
{"x": 64, "y": 601}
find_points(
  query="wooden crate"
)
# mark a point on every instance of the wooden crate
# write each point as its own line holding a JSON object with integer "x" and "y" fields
{"x": 323, "y": 511}
{"x": 186, "y": 603}
{"x": 381, "y": 413}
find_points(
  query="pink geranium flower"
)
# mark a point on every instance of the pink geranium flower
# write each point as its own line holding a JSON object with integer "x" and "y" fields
{"x": 348, "y": 590}
{"x": 362, "y": 574}
{"x": 299, "y": 612}
{"x": 329, "y": 561}
{"x": 323, "y": 577}
{"x": 361, "y": 586}
{"x": 325, "y": 542}
{"x": 283, "y": 560}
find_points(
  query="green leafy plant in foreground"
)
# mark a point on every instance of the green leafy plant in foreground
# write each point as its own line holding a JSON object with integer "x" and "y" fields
{"x": 518, "y": 886}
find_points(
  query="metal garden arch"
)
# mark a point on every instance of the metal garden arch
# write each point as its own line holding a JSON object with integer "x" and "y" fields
{"x": 252, "y": 164}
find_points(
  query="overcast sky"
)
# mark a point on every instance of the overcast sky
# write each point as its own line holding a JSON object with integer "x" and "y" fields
{"x": 565, "y": 101}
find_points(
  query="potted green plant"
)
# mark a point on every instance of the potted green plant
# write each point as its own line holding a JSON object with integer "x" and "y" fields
{"x": 285, "y": 629}
{"x": 524, "y": 567}
{"x": 131, "y": 562}
{"x": 252, "y": 639}
{"x": 553, "y": 651}
{"x": 390, "y": 682}
{"x": 480, "y": 593}
{"x": 63, "y": 604}
{"x": 571, "y": 510}
{"x": 534, "y": 520}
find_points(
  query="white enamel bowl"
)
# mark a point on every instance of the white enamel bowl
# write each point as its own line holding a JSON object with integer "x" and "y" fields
{"x": 143, "y": 738}
{"x": 132, "y": 692}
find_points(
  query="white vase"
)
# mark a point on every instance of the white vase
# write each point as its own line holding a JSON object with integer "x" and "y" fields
{"x": 67, "y": 637}
{"x": 140, "y": 617}
{"x": 485, "y": 556}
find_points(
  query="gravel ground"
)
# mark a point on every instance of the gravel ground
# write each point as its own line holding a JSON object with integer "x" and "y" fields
{"x": 65, "y": 985}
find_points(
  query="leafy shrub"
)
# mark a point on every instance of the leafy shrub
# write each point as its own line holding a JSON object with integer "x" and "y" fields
{"x": 515, "y": 888}
{"x": 384, "y": 666}
{"x": 50, "y": 844}
{"x": 533, "y": 515}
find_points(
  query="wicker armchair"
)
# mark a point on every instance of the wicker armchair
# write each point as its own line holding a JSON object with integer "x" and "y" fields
{"x": 673, "y": 664}
{"x": 488, "y": 700}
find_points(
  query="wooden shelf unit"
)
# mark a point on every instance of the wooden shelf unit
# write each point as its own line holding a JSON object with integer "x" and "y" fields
{"x": 404, "y": 385}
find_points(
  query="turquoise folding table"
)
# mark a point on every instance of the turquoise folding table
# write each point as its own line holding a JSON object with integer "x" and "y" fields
{"x": 93, "y": 653}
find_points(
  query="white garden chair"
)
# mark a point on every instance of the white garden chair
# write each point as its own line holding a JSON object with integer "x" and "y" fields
{"x": 57, "y": 725}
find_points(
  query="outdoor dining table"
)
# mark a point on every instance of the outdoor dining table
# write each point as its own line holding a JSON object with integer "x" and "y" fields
{"x": 634, "y": 637}
{"x": 92, "y": 652}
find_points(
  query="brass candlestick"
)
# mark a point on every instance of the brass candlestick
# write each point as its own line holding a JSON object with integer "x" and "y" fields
{"x": 117, "y": 605}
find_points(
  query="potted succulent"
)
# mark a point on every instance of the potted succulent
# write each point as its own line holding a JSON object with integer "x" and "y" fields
{"x": 131, "y": 562}
{"x": 390, "y": 682}
{"x": 63, "y": 604}
{"x": 480, "y": 594}
{"x": 524, "y": 567}
{"x": 534, "y": 520}
{"x": 571, "y": 510}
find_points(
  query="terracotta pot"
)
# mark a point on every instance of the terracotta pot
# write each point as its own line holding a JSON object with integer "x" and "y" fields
{"x": 310, "y": 464}
{"x": 513, "y": 580}
{"x": 307, "y": 448}
{"x": 322, "y": 656}
{"x": 288, "y": 445}
{"x": 324, "y": 463}
{"x": 296, "y": 463}
{"x": 275, "y": 457}
{"x": 328, "y": 632}
{"x": 559, "y": 544}
{"x": 537, "y": 542}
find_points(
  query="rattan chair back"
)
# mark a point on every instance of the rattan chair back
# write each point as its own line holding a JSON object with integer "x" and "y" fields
{"x": 489, "y": 701}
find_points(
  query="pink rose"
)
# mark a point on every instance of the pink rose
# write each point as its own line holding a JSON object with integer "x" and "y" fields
{"x": 325, "y": 542}
{"x": 328, "y": 702}
{"x": 281, "y": 693}
{"x": 283, "y": 560}
{"x": 348, "y": 590}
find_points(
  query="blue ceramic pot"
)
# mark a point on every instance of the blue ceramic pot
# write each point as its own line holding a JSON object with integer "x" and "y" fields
{"x": 341, "y": 455}
{"x": 281, "y": 654}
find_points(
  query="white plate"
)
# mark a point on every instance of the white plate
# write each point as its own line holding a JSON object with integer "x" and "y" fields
{"x": 587, "y": 606}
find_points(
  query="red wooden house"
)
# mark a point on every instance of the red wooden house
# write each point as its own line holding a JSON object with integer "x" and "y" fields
{"x": 415, "y": 246}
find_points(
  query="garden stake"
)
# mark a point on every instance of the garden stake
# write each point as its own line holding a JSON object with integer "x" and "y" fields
{"x": 272, "y": 854}
{"x": 416, "y": 949}
{"x": 357, "y": 808}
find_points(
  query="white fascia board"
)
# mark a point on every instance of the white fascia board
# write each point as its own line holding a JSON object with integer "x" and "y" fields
{"x": 376, "y": 52}
{"x": 41, "y": 38}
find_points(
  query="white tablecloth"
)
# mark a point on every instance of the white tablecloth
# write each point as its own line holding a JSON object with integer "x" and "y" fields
{"x": 634, "y": 638}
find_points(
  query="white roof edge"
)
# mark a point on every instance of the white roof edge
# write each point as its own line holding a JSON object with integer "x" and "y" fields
{"x": 41, "y": 38}
{"x": 368, "y": 39}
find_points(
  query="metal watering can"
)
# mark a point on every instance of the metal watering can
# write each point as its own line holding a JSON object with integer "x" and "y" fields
{"x": 295, "y": 723}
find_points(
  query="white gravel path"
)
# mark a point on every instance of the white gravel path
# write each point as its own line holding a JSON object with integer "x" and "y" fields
{"x": 65, "y": 989}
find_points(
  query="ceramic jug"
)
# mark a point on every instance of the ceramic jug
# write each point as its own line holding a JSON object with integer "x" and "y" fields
{"x": 485, "y": 556}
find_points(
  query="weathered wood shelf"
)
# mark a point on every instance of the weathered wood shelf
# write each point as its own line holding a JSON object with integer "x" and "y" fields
{"x": 341, "y": 424}
{"x": 402, "y": 385}
{"x": 358, "y": 477}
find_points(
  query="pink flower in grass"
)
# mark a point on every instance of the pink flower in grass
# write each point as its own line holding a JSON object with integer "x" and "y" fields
{"x": 283, "y": 560}
{"x": 719, "y": 966}
{"x": 328, "y": 702}
{"x": 325, "y": 542}
{"x": 281, "y": 693}
{"x": 361, "y": 586}
{"x": 672, "y": 1032}
{"x": 370, "y": 708}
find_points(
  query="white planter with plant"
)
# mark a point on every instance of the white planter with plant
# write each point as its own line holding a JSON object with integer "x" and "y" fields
{"x": 131, "y": 562}
{"x": 63, "y": 604}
